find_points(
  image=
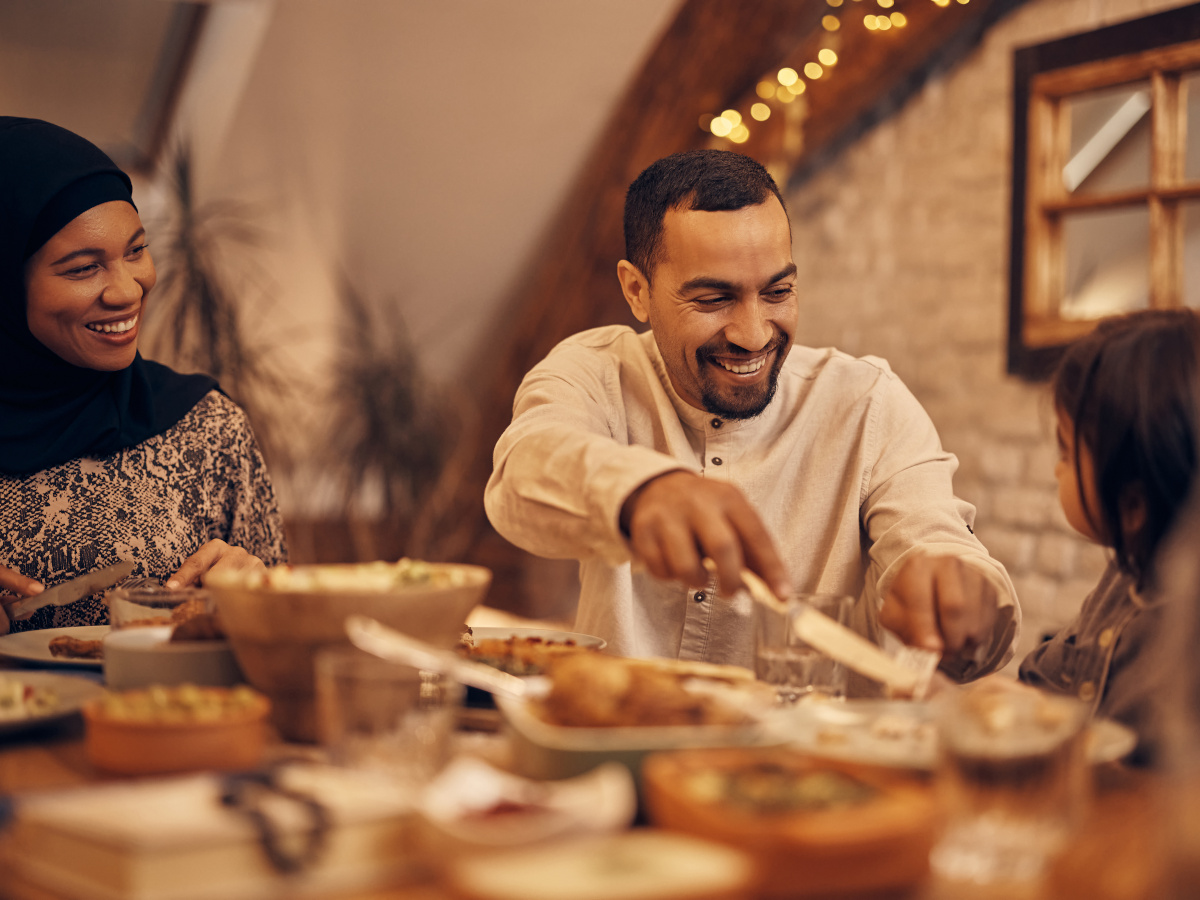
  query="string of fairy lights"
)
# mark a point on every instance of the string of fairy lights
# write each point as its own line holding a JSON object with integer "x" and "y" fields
{"x": 786, "y": 85}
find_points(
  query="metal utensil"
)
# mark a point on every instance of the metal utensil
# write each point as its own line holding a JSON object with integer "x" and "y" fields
{"x": 70, "y": 591}
{"x": 379, "y": 640}
{"x": 909, "y": 673}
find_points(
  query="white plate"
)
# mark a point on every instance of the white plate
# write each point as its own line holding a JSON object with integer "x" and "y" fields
{"x": 34, "y": 646}
{"x": 71, "y": 690}
{"x": 899, "y": 733}
{"x": 546, "y": 634}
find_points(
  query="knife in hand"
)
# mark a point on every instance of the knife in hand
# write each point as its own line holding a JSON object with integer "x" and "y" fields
{"x": 70, "y": 591}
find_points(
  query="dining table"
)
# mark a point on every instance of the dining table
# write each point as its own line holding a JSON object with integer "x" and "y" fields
{"x": 1121, "y": 852}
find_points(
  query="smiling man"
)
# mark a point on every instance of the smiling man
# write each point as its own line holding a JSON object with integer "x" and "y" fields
{"x": 711, "y": 435}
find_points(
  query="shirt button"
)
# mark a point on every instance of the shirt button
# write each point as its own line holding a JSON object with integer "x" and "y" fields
{"x": 716, "y": 460}
{"x": 699, "y": 597}
{"x": 1087, "y": 691}
{"x": 1106, "y": 637}
{"x": 716, "y": 423}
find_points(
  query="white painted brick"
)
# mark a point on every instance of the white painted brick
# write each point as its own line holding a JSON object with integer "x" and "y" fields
{"x": 1022, "y": 506}
{"x": 1012, "y": 547}
{"x": 1002, "y": 463}
{"x": 1056, "y": 555}
{"x": 1037, "y": 596}
{"x": 1039, "y": 466}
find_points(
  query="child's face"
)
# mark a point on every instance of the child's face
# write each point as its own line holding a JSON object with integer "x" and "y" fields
{"x": 1070, "y": 492}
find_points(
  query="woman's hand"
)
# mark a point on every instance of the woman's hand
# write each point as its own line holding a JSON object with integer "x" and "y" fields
{"x": 13, "y": 582}
{"x": 216, "y": 555}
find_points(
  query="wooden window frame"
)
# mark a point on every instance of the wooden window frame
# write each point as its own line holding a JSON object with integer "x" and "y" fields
{"x": 1158, "y": 49}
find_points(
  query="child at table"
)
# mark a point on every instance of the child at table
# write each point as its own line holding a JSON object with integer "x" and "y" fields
{"x": 1126, "y": 399}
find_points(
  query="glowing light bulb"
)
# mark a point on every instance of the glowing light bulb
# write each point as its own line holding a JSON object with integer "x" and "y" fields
{"x": 870, "y": 22}
{"x": 765, "y": 89}
{"x": 834, "y": 3}
{"x": 886, "y": 4}
{"x": 721, "y": 126}
{"x": 898, "y": 19}
{"x": 831, "y": 23}
{"x": 883, "y": 23}
{"x": 796, "y": 89}
{"x": 785, "y": 95}
{"x": 760, "y": 112}
{"x": 706, "y": 121}
{"x": 813, "y": 71}
{"x": 964, "y": 2}
{"x": 732, "y": 116}
{"x": 827, "y": 57}
{"x": 740, "y": 135}
{"x": 942, "y": 3}
{"x": 787, "y": 75}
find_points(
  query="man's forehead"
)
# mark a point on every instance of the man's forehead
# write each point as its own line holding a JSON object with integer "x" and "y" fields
{"x": 692, "y": 235}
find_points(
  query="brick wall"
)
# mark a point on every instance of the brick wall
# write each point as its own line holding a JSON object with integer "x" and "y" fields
{"x": 902, "y": 245}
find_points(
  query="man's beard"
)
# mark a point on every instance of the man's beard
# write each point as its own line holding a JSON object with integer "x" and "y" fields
{"x": 744, "y": 402}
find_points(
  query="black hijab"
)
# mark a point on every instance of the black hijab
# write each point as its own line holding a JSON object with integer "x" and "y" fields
{"x": 50, "y": 410}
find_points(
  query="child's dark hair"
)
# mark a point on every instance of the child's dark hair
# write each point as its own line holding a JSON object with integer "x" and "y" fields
{"x": 1130, "y": 391}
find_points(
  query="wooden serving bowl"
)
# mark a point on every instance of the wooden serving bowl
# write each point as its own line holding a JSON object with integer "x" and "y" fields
{"x": 878, "y": 841}
{"x": 235, "y": 740}
{"x": 275, "y": 633}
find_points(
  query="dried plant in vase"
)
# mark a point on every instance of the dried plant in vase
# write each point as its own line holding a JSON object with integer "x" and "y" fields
{"x": 209, "y": 280}
{"x": 391, "y": 433}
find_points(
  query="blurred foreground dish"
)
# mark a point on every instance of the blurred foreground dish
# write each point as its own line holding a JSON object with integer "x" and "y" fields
{"x": 600, "y": 709}
{"x": 813, "y": 827}
{"x": 601, "y": 691}
{"x": 276, "y": 619}
{"x": 176, "y": 729}
{"x": 638, "y": 865}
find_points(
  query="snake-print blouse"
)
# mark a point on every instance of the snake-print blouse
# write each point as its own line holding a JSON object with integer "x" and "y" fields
{"x": 154, "y": 503}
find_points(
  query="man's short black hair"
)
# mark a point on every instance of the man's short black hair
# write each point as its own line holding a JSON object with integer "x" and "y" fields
{"x": 706, "y": 180}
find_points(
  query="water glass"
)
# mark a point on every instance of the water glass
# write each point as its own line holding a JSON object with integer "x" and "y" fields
{"x": 1014, "y": 778}
{"x": 798, "y": 671}
{"x": 384, "y": 717}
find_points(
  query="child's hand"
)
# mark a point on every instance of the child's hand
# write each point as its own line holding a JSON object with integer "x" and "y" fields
{"x": 941, "y": 603}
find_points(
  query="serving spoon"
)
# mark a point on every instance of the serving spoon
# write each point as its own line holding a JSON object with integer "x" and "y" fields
{"x": 387, "y": 643}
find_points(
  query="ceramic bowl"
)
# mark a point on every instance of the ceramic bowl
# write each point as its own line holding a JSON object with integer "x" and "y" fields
{"x": 275, "y": 624}
{"x": 177, "y": 741}
{"x": 140, "y": 657}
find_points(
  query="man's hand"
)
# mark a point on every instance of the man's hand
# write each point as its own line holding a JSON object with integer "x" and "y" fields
{"x": 16, "y": 584}
{"x": 216, "y": 555}
{"x": 675, "y": 520}
{"x": 940, "y": 603}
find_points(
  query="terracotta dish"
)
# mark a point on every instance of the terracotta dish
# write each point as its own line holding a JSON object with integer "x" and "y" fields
{"x": 813, "y": 827}
{"x": 178, "y": 729}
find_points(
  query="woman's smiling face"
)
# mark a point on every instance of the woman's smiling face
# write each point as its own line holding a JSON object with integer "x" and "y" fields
{"x": 86, "y": 288}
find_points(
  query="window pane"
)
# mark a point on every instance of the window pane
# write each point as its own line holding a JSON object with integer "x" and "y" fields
{"x": 1107, "y": 259}
{"x": 1191, "y": 87}
{"x": 1191, "y": 253}
{"x": 1110, "y": 140}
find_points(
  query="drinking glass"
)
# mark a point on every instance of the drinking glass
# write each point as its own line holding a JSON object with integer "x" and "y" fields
{"x": 384, "y": 717}
{"x": 1014, "y": 778}
{"x": 798, "y": 671}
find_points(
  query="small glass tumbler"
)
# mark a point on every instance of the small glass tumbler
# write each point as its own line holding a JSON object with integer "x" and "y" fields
{"x": 1014, "y": 779}
{"x": 135, "y": 607}
{"x": 798, "y": 671}
{"x": 384, "y": 717}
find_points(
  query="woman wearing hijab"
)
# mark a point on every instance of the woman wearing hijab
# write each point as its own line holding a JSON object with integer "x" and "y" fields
{"x": 104, "y": 456}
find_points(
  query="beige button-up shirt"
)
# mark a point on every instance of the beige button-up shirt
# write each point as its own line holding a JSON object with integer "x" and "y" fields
{"x": 844, "y": 467}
